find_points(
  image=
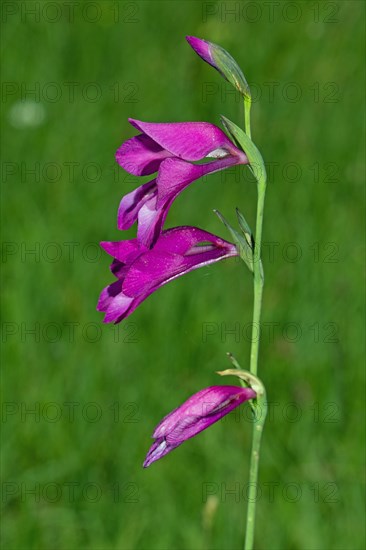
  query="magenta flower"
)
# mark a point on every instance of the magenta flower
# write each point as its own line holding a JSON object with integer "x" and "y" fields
{"x": 141, "y": 271}
{"x": 170, "y": 149}
{"x": 195, "y": 415}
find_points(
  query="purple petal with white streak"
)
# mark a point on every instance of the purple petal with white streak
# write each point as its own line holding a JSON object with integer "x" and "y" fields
{"x": 131, "y": 204}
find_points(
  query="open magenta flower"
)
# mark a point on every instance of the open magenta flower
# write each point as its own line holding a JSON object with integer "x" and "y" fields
{"x": 170, "y": 149}
{"x": 141, "y": 271}
{"x": 195, "y": 415}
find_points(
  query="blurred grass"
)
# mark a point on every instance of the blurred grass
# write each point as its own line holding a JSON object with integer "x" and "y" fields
{"x": 162, "y": 354}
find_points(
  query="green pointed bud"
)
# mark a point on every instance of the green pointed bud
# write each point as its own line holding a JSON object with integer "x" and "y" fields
{"x": 246, "y": 144}
{"x": 223, "y": 62}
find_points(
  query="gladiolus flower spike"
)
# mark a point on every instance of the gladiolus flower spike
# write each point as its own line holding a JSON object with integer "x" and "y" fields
{"x": 195, "y": 415}
{"x": 176, "y": 155}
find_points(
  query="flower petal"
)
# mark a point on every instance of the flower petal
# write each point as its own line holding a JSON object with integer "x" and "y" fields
{"x": 150, "y": 222}
{"x": 131, "y": 204}
{"x": 118, "y": 308}
{"x": 124, "y": 251}
{"x": 202, "y": 48}
{"x": 205, "y": 404}
{"x": 156, "y": 451}
{"x": 176, "y": 174}
{"x": 175, "y": 253}
{"x": 187, "y": 140}
{"x": 180, "y": 240}
{"x": 141, "y": 155}
{"x": 173, "y": 177}
{"x": 141, "y": 271}
{"x": 115, "y": 304}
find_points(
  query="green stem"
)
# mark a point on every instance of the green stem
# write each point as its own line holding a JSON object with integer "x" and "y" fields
{"x": 258, "y": 278}
{"x": 247, "y": 106}
{"x": 261, "y": 401}
{"x": 253, "y": 475}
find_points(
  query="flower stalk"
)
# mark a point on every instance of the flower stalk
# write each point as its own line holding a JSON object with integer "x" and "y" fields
{"x": 261, "y": 406}
{"x": 247, "y": 107}
{"x": 259, "y": 420}
{"x": 258, "y": 277}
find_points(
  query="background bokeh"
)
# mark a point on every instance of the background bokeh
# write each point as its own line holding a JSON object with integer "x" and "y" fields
{"x": 81, "y": 399}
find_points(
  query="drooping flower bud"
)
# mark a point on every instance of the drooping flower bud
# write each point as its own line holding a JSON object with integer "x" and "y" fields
{"x": 196, "y": 414}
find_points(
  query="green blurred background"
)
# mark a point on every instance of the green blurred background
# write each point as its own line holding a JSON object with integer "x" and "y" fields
{"x": 71, "y": 469}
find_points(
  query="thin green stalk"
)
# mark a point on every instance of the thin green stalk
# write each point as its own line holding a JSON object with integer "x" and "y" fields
{"x": 247, "y": 106}
{"x": 253, "y": 475}
{"x": 258, "y": 278}
{"x": 261, "y": 401}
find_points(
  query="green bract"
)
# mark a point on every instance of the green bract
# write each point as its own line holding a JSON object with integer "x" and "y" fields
{"x": 243, "y": 243}
{"x": 246, "y": 144}
{"x": 229, "y": 69}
